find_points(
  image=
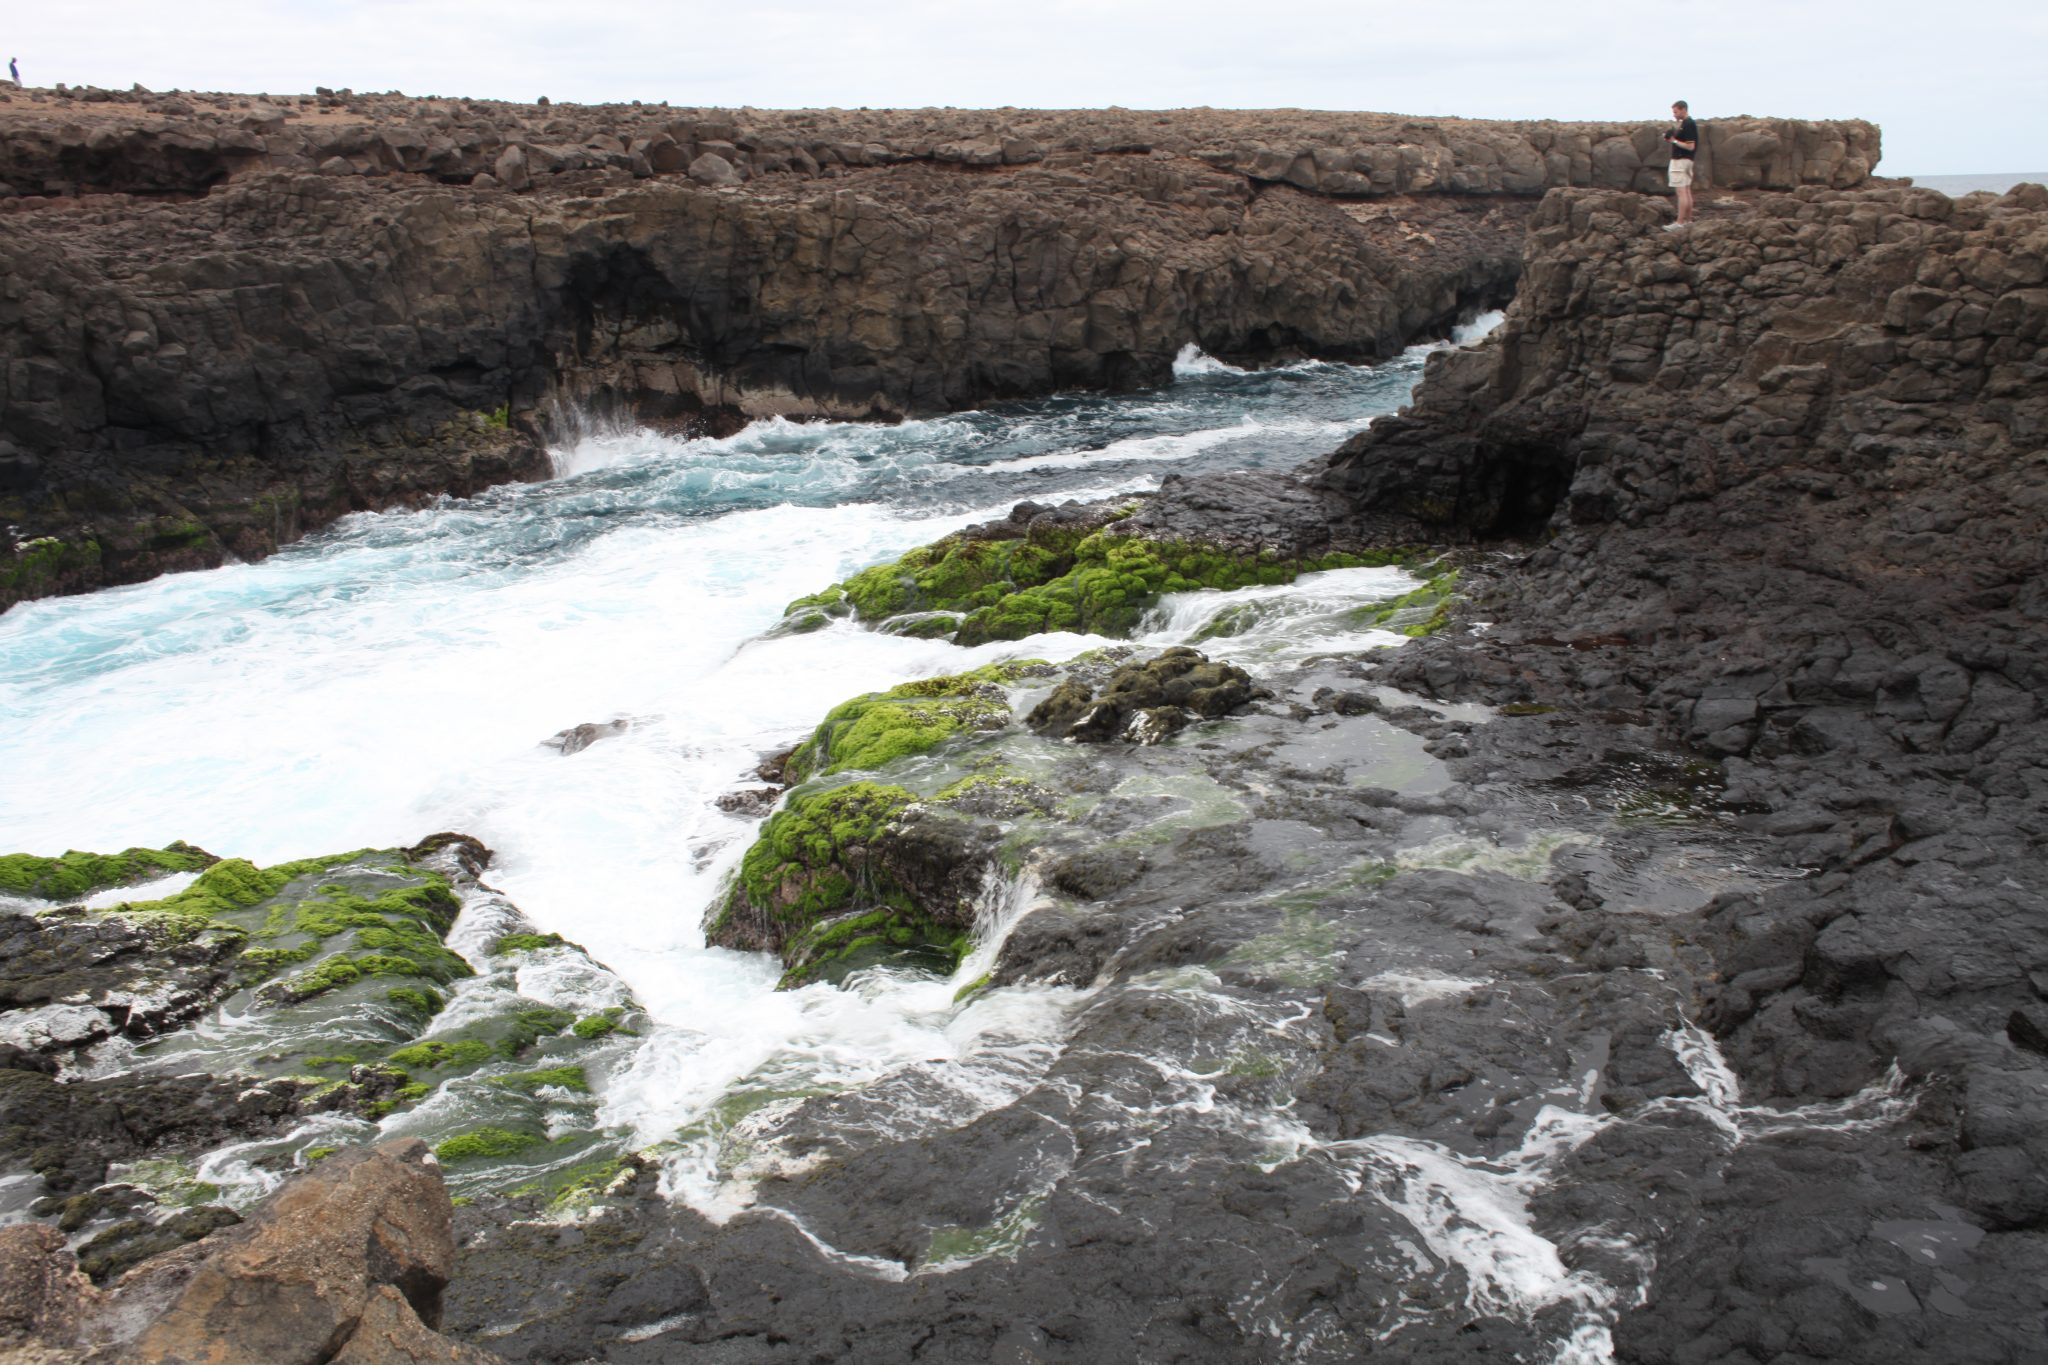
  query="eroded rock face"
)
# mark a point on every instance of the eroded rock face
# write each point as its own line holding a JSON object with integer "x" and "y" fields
{"x": 135, "y": 142}
{"x": 376, "y": 298}
{"x": 1792, "y": 473}
{"x": 295, "y": 1283}
{"x": 345, "y": 1263}
{"x": 1144, "y": 702}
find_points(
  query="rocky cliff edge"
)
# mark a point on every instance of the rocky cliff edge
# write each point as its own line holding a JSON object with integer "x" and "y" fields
{"x": 227, "y": 320}
{"x": 1787, "y": 476}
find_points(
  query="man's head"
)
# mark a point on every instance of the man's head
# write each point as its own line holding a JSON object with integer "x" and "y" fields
{"x": 1678, "y": 108}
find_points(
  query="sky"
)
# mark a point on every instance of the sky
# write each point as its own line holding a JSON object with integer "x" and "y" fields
{"x": 1956, "y": 86}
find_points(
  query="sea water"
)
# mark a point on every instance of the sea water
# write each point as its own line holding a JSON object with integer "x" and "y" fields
{"x": 397, "y": 674}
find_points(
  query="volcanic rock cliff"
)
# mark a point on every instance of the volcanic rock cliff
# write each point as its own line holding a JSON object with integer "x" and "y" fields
{"x": 1790, "y": 477}
{"x": 230, "y": 320}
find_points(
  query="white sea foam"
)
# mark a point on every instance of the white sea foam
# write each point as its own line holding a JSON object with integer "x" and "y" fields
{"x": 1193, "y": 362}
{"x": 1473, "y": 332}
{"x": 400, "y": 673}
{"x": 144, "y": 891}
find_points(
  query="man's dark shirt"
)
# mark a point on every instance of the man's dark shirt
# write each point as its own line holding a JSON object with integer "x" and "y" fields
{"x": 1688, "y": 131}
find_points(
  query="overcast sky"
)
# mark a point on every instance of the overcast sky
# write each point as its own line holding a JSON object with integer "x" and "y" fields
{"x": 1957, "y": 86}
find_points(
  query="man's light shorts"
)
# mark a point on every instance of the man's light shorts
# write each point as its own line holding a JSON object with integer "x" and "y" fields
{"x": 1681, "y": 173}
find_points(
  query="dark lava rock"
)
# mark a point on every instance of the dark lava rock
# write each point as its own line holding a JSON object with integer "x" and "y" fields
{"x": 1146, "y": 701}
{"x": 97, "y": 975}
{"x": 68, "y": 1131}
{"x": 748, "y": 801}
{"x": 127, "y": 1244}
{"x": 580, "y": 737}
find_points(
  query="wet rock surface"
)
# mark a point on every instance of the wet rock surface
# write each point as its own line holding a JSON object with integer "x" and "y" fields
{"x": 1653, "y": 973}
{"x": 1146, "y": 702}
{"x": 1792, "y": 471}
{"x": 346, "y": 1263}
{"x": 1336, "y": 1008}
{"x": 1703, "y": 958}
{"x": 171, "y": 1060}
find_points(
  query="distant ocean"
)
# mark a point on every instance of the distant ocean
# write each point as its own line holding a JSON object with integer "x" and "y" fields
{"x": 1954, "y": 185}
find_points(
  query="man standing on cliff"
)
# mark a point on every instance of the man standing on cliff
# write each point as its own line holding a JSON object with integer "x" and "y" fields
{"x": 1685, "y": 143}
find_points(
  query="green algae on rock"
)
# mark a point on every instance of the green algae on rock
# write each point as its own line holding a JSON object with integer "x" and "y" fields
{"x": 334, "y": 975}
{"x": 48, "y": 565}
{"x": 1424, "y": 611}
{"x": 851, "y": 871}
{"x": 912, "y": 718}
{"x": 1075, "y": 574}
{"x": 74, "y": 875}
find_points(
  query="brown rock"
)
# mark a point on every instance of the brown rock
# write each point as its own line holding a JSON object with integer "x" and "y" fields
{"x": 294, "y": 1283}
{"x": 142, "y": 345}
{"x": 714, "y": 170}
{"x": 390, "y": 1333}
{"x": 43, "y": 1297}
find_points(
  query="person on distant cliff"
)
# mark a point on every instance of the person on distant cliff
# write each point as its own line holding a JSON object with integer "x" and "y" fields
{"x": 13, "y": 71}
{"x": 1685, "y": 143}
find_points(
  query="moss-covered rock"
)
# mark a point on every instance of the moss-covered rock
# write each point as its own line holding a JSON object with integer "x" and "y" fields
{"x": 1115, "y": 579}
{"x": 880, "y": 727}
{"x": 600, "y": 1025}
{"x": 75, "y": 875}
{"x": 483, "y": 1143}
{"x": 1080, "y": 574}
{"x": 810, "y": 861}
{"x": 1425, "y": 611}
{"x": 568, "y": 1077}
{"x": 1145, "y": 701}
{"x": 527, "y": 943}
{"x": 842, "y": 874}
{"x": 47, "y": 565}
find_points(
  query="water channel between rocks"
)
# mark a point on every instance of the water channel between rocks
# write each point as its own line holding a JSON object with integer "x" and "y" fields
{"x": 397, "y": 675}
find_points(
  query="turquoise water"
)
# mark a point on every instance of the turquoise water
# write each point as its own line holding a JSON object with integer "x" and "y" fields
{"x": 398, "y": 674}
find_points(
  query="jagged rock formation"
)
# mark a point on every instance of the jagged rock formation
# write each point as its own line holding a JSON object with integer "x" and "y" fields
{"x": 340, "y": 972}
{"x": 344, "y": 1264}
{"x": 144, "y": 143}
{"x": 1791, "y": 471}
{"x": 375, "y": 301}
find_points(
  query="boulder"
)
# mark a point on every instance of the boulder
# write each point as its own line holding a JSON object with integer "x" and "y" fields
{"x": 43, "y": 1297}
{"x": 511, "y": 168}
{"x": 713, "y": 170}
{"x": 666, "y": 155}
{"x": 364, "y": 1237}
{"x": 1145, "y": 702}
{"x": 344, "y": 1263}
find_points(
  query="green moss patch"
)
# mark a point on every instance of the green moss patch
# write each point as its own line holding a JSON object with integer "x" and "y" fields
{"x": 876, "y": 729}
{"x": 1425, "y": 611}
{"x": 812, "y": 890}
{"x": 600, "y": 1025}
{"x": 570, "y": 1078}
{"x": 75, "y": 875}
{"x": 575, "y": 1187}
{"x": 798, "y": 869}
{"x": 525, "y": 943}
{"x": 439, "y": 1054}
{"x": 419, "y": 1003}
{"x": 834, "y": 946}
{"x": 483, "y": 1143}
{"x": 1075, "y": 579}
{"x": 45, "y": 565}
